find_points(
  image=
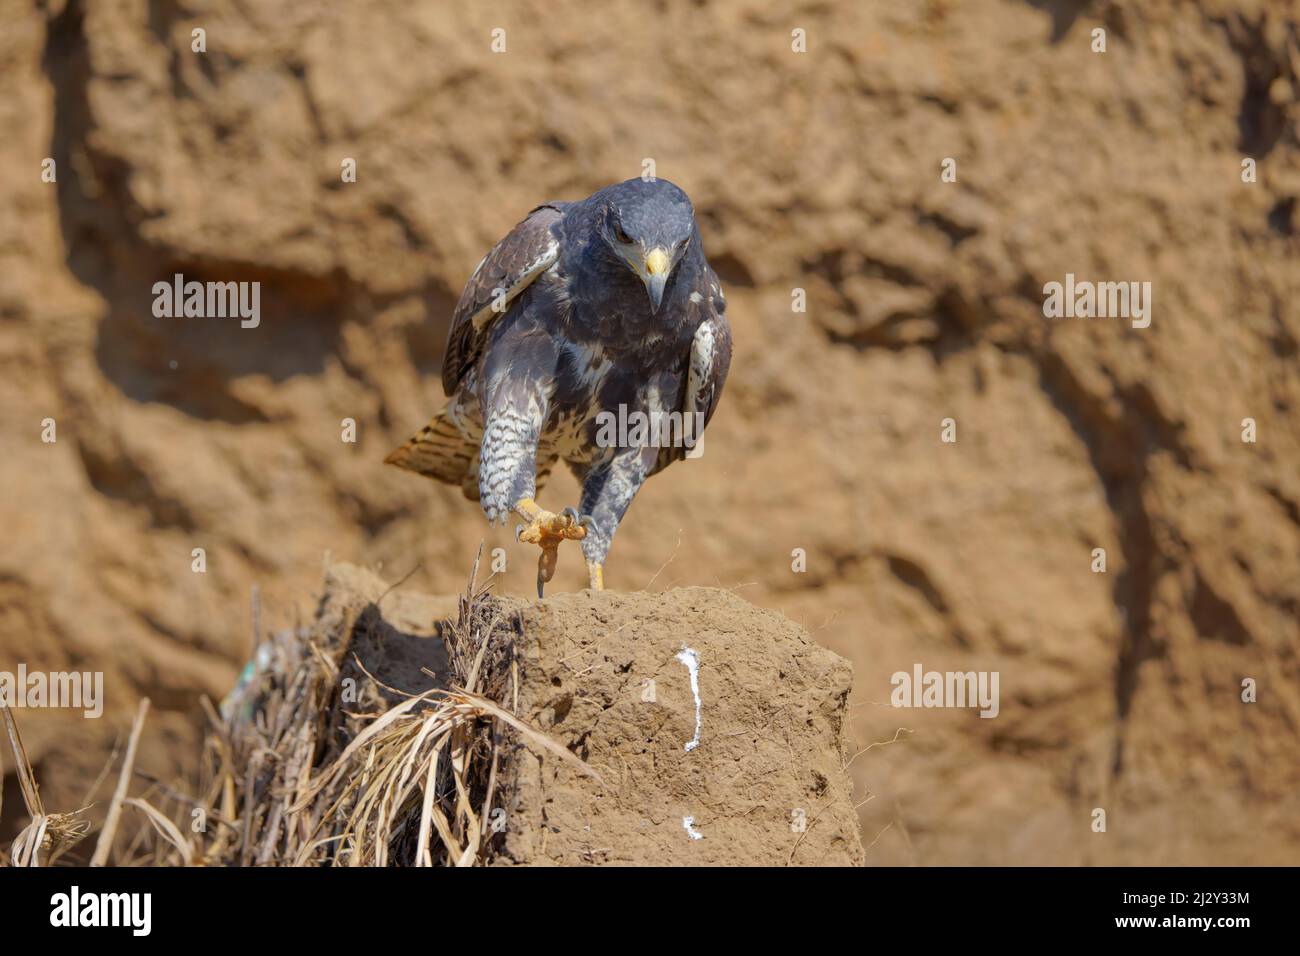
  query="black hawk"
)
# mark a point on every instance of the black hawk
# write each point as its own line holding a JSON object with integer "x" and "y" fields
{"x": 589, "y": 315}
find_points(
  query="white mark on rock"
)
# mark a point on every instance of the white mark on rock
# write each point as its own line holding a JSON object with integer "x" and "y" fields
{"x": 691, "y": 659}
{"x": 688, "y": 824}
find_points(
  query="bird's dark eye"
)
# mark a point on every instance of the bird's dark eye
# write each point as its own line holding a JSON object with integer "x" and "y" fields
{"x": 620, "y": 235}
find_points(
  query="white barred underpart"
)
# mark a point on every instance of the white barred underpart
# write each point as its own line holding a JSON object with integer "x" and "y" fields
{"x": 463, "y": 410}
{"x": 506, "y": 443}
{"x": 531, "y": 272}
{"x": 568, "y": 433}
{"x": 701, "y": 366}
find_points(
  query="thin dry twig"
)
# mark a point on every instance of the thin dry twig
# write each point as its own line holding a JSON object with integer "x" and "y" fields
{"x": 106, "y": 835}
{"x": 878, "y": 743}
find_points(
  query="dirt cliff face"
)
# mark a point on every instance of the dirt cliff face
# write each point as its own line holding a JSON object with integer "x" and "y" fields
{"x": 817, "y": 171}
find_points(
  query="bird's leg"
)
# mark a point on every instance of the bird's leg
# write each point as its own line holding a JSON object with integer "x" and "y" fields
{"x": 546, "y": 530}
{"x": 607, "y": 490}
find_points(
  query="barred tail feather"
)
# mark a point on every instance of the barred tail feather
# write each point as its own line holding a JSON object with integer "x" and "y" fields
{"x": 438, "y": 451}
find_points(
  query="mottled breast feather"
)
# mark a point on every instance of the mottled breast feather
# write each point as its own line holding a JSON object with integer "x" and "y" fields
{"x": 528, "y": 250}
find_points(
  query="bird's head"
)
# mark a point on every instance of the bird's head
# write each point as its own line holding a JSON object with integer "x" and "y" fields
{"x": 649, "y": 226}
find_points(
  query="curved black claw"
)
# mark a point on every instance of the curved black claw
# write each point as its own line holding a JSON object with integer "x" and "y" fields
{"x": 571, "y": 514}
{"x": 519, "y": 529}
{"x": 587, "y": 521}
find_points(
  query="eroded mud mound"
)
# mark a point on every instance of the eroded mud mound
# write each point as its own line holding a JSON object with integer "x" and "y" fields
{"x": 760, "y": 779}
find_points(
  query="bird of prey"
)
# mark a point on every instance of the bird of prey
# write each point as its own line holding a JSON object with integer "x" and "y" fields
{"x": 585, "y": 310}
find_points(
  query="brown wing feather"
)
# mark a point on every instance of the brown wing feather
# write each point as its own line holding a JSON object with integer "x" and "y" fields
{"x": 709, "y": 385}
{"x": 708, "y": 362}
{"x": 526, "y": 252}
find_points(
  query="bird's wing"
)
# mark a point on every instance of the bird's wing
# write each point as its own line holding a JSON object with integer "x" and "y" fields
{"x": 528, "y": 250}
{"x": 707, "y": 365}
{"x": 710, "y": 354}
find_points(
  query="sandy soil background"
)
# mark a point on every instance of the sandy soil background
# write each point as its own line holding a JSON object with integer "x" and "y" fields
{"x": 818, "y": 171}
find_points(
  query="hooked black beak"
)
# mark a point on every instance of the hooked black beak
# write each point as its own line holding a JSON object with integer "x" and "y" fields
{"x": 658, "y": 266}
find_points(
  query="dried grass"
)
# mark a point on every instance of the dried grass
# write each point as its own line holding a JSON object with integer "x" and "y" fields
{"x": 413, "y": 786}
{"x": 48, "y": 835}
{"x": 293, "y": 779}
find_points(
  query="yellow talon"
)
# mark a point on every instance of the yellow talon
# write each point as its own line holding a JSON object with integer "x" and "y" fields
{"x": 597, "y": 575}
{"x": 546, "y": 530}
